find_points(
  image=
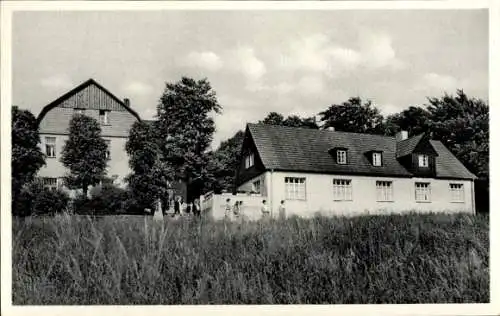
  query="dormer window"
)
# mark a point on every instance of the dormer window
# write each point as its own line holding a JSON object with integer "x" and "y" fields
{"x": 341, "y": 156}
{"x": 423, "y": 161}
{"x": 249, "y": 160}
{"x": 377, "y": 159}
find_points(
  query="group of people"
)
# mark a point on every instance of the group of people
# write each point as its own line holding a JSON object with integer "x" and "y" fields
{"x": 236, "y": 210}
{"x": 178, "y": 207}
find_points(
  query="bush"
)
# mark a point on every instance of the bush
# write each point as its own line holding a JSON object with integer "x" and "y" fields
{"x": 105, "y": 199}
{"x": 35, "y": 199}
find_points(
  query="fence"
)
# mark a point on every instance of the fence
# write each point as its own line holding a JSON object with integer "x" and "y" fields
{"x": 214, "y": 205}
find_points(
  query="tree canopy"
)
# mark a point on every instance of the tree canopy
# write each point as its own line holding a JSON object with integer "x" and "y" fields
{"x": 185, "y": 129}
{"x": 353, "y": 116}
{"x": 27, "y": 158}
{"x": 84, "y": 153}
{"x": 275, "y": 118}
{"x": 150, "y": 175}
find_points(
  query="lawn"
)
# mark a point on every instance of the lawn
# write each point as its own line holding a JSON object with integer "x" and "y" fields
{"x": 135, "y": 260}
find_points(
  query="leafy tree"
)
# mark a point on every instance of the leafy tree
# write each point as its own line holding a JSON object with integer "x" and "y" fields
{"x": 150, "y": 175}
{"x": 353, "y": 116}
{"x": 415, "y": 120}
{"x": 27, "y": 157}
{"x": 462, "y": 125}
{"x": 186, "y": 129}
{"x": 84, "y": 153}
{"x": 224, "y": 162}
{"x": 274, "y": 118}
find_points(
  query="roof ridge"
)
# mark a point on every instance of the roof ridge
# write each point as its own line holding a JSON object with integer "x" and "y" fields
{"x": 318, "y": 130}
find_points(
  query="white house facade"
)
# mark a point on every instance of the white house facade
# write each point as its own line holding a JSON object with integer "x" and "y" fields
{"x": 337, "y": 173}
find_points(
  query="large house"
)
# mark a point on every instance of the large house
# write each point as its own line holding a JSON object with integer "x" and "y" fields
{"x": 339, "y": 173}
{"x": 116, "y": 117}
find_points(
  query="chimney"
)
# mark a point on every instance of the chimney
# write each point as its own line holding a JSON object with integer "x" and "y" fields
{"x": 401, "y": 135}
{"x": 127, "y": 102}
{"x": 331, "y": 128}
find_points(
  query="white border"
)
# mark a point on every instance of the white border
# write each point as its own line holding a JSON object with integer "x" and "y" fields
{"x": 8, "y": 7}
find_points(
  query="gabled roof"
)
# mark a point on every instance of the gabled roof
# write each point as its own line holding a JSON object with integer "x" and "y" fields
{"x": 79, "y": 88}
{"x": 407, "y": 146}
{"x": 306, "y": 150}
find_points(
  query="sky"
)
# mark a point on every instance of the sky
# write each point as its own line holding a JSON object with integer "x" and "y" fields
{"x": 292, "y": 62}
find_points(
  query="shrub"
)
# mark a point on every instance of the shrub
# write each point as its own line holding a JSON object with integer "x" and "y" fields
{"x": 35, "y": 199}
{"x": 105, "y": 199}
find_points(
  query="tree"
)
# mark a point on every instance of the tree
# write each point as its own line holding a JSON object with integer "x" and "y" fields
{"x": 296, "y": 121}
{"x": 186, "y": 129}
{"x": 84, "y": 153}
{"x": 225, "y": 161}
{"x": 415, "y": 120}
{"x": 462, "y": 125}
{"x": 27, "y": 158}
{"x": 274, "y": 118}
{"x": 150, "y": 175}
{"x": 353, "y": 116}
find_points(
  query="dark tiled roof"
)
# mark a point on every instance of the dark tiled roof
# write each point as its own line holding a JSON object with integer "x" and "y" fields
{"x": 306, "y": 150}
{"x": 447, "y": 165}
{"x": 406, "y": 147}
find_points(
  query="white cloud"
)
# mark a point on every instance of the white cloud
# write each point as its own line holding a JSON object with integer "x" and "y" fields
{"x": 57, "y": 82}
{"x": 441, "y": 82}
{"x": 243, "y": 59}
{"x": 318, "y": 53}
{"x": 311, "y": 84}
{"x": 137, "y": 88}
{"x": 206, "y": 60}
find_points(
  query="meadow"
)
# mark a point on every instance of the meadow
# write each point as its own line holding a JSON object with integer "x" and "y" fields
{"x": 432, "y": 258}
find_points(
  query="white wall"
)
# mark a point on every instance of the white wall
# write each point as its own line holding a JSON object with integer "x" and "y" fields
{"x": 319, "y": 195}
{"x": 117, "y": 165}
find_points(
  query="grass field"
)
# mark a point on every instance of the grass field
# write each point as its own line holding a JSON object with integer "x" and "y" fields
{"x": 135, "y": 260}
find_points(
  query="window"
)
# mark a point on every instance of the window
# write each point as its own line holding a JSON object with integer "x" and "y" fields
{"x": 50, "y": 147}
{"x": 108, "y": 148}
{"x": 384, "y": 191}
{"x": 104, "y": 117}
{"x": 342, "y": 190}
{"x": 249, "y": 160}
{"x": 423, "y": 161}
{"x": 50, "y": 183}
{"x": 457, "y": 192}
{"x": 256, "y": 186}
{"x": 80, "y": 111}
{"x": 422, "y": 192}
{"x": 341, "y": 156}
{"x": 377, "y": 159}
{"x": 295, "y": 188}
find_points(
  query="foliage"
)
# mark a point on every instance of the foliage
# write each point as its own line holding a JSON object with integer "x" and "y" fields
{"x": 150, "y": 176}
{"x": 27, "y": 158}
{"x": 105, "y": 199}
{"x": 84, "y": 153}
{"x": 364, "y": 260}
{"x": 35, "y": 199}
{"x": 414, "y": 120}
{"x": 185, "y": 129}
{"x": 462, "y": 125}
{"x": 224, "y": 162}
{"x": 353, "y": 116}
{"x": 274, "y": 118}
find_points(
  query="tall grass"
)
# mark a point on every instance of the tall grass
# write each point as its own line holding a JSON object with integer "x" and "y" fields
{"x": 135, "y": 260}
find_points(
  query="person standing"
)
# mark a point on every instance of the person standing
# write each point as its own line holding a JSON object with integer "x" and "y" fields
{"x": 177, "y": 206}
{"x": 227, "y": 209}
{"x": 196, "y": 208}
{"x": 282, "y": 210}
{"x": 265, "y": 210}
